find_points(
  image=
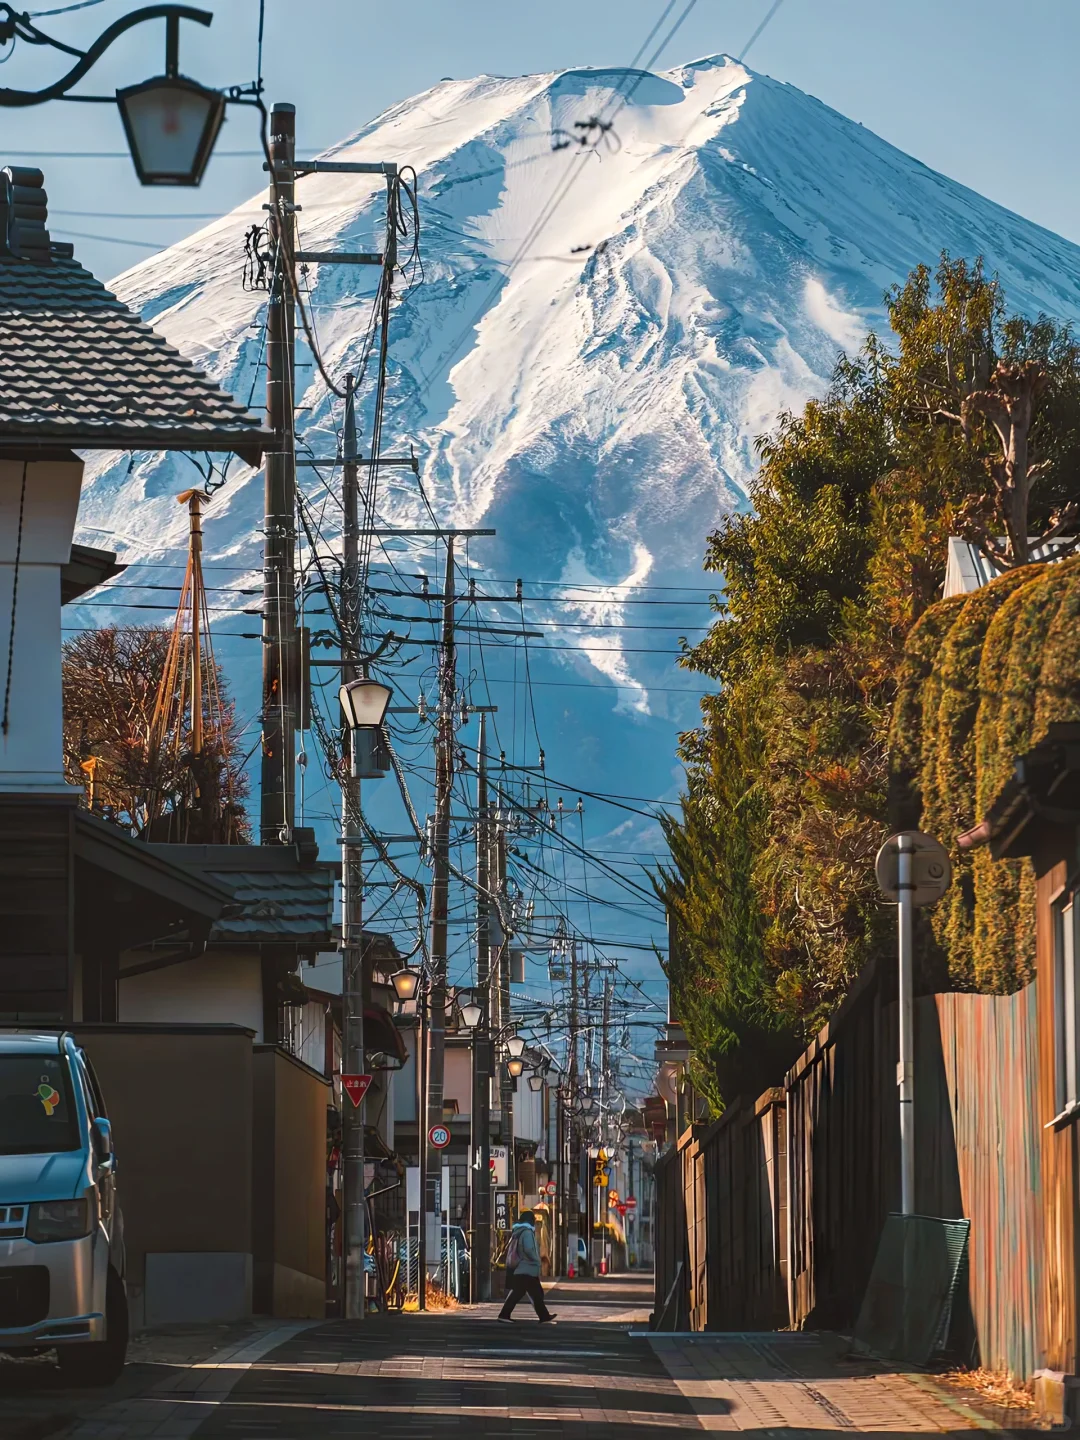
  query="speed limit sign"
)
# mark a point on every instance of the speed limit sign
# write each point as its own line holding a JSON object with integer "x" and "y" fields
{"x": 439, "y": 1136}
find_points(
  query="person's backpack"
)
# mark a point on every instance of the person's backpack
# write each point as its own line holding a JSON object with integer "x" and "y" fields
{"x": 513, "y": 1251}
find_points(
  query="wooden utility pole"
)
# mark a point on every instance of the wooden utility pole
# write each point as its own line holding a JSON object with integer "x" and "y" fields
{"x": 279, "y": 658}
{"x": 354, "y": 1210}
{"x": 480, "y": 1146}
{"x": 440, "y": 901}
{"x": 196, "y": 500}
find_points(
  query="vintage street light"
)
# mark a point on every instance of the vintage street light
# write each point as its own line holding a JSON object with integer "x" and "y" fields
{"x": 406, "y": 983}
{"x": 364, "y": 703}
{"x": 471, "y": 1015}
{"x": 536, "y": 1082}
{"x": 515, "y": 1067}
{"x": 516, "y": 1047}
{"x": 171, "y": 122}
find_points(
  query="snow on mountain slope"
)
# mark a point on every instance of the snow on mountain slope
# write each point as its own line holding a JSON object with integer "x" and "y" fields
{"x": 592, "y": 392}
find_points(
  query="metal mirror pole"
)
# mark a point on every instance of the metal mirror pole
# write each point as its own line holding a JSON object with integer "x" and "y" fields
{"x": 905, "y": 1072}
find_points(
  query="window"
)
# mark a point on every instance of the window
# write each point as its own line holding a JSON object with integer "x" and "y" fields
{"x": 36, "y": 1109}
{"x": 1066, "y": 1000}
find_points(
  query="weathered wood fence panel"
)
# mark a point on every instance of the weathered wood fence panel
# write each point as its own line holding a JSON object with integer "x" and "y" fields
{"x": 843, "y": 1157}
{"x": 670, "y": 1294}
{"x": 746, "y": 1203}
{"x": 990, "y": 1053}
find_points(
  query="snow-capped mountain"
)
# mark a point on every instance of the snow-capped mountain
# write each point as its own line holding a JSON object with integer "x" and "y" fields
{"x": 600, "y": 333}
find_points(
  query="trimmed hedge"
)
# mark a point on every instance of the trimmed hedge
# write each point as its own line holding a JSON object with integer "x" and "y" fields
{"x": 982, "y": 677}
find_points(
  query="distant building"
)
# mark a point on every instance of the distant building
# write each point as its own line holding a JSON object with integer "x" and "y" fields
{"x": 968, "y": 569}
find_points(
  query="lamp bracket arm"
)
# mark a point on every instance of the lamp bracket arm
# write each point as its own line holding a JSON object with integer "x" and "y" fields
{"x": 20, "y": 25}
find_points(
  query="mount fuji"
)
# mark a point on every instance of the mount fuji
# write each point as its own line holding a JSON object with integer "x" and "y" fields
{"x": 600, "y": 332}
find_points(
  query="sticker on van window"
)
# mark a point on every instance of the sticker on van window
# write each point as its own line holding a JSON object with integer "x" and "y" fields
{"x": 49, "y": 1097}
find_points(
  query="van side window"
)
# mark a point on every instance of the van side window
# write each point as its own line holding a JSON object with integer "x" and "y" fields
{"x": 89, "y": 1098}
{"x": 95, "y": 1088}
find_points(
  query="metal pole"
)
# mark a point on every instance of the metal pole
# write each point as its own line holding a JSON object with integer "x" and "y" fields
{"x": 421, "y": 1145}
{"x": 279, "y": 658}
{"x": 440, "y": 896}
{"x": 905, "y": 1076}
{"x": 352, "y": 895}
{"x": 480, "y": 1147}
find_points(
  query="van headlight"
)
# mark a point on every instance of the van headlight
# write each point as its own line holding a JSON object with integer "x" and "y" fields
{"x": 59, "y": 1220}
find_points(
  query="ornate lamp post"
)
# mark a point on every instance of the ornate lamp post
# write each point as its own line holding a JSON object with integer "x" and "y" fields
{"x": 171, "y": 122}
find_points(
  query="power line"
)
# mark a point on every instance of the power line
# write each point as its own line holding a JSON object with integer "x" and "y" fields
{"x": 745, "y": 50}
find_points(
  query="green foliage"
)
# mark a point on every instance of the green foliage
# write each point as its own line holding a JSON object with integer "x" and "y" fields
{"x": 716, "y": 968}
{"x": 851, "y": 697}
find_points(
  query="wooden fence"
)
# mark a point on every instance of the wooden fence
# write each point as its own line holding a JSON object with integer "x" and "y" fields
{"x": 721, "y": 1199}
{"x": 774, "y": 1211}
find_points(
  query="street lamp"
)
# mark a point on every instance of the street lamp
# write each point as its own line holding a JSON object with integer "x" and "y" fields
{"x": 406, "y": 983}
{"x": 471, "y": 1015}
{"x": 171, "y": 122}
{"x": 364, "y": 703}
{"x": 514, "y": 1067}
{"x": 516, "y": 1046}
{"x": 536, "y": 1082}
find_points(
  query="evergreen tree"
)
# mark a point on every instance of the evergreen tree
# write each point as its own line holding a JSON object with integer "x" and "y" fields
{"x": 788, "y": 797}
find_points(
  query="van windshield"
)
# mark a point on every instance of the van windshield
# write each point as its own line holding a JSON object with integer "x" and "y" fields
{"x": 36, "y": 1107}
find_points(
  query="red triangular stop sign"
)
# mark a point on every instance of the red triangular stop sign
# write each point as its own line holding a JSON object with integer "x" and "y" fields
{"x": 355, "y": 1086}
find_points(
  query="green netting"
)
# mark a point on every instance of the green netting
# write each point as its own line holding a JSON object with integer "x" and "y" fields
{"x": 908, "y": 1303}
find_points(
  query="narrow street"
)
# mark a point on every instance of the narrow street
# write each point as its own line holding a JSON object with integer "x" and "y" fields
{"x": 460, "y": 1373}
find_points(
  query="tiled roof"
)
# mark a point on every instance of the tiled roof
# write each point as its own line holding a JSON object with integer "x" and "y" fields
{"x": 281, "y": 905}
{"x": 81, "y": 369}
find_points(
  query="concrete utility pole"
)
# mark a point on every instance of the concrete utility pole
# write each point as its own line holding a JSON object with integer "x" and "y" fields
{"x": 354, "y": 1210}
{"x": 573, "y": 1213}
{"x": 502, "y": 980}
{"x": 440, "y": 900}
{"x": 279, "y": 650}
{"x": 480, "y": 1109}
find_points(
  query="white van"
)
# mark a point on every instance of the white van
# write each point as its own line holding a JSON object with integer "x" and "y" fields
{"x": 61, "y": 1231}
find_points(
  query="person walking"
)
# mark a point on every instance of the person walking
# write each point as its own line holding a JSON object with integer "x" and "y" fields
{"x": 523, "y": 1271}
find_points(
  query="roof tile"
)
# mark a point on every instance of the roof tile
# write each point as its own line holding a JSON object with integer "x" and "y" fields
{"x": 81, "y": 368}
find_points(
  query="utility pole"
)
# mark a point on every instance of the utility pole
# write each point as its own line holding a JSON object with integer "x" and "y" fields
{"x": 605, "y": 1031}
{"x": 573, "y": 1213}
{"x": 354, "y": 1210}
{"x": 480, "y": 1146}
{"x": 279, "y": 659}
{"x": 196, "y": 500}
{"x": 502, "y": 980}
{"x": 440, "y": 901}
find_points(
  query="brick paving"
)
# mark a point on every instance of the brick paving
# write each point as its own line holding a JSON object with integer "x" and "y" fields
{"x": 597, "y": 1375}
{"x": 796, "y": 1383}
{"x": 35, "y": 1404}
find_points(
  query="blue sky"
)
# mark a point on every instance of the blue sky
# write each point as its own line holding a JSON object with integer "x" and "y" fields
{"x": 981, "y": 89}
{"x": 968, "y": 88}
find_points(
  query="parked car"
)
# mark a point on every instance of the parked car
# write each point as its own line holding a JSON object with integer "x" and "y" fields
{"x": 61, "y": 1229}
